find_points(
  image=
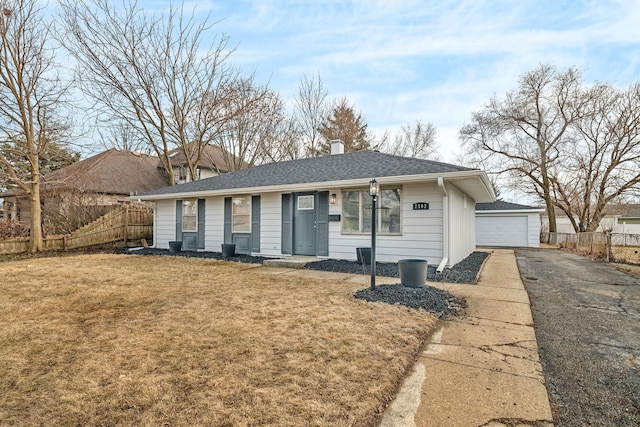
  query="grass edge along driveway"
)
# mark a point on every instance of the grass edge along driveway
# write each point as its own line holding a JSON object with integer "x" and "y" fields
{"x": 127, "y": 340}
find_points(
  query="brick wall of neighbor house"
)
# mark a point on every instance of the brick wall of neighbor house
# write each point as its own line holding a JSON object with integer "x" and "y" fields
{"x": 421, "y": 230}
{"x": 462, "y": 225}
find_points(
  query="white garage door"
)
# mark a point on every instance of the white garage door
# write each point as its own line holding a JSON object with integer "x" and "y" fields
{"x": 501, "y": 231}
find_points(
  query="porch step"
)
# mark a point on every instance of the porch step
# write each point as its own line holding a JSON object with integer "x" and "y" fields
{"x": 298, "y": 262}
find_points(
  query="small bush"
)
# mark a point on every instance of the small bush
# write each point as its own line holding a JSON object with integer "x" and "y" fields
{"x": 11, "y": 228}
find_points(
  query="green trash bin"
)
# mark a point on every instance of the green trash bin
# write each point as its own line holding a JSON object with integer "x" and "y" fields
{"x": 413, "y": 272}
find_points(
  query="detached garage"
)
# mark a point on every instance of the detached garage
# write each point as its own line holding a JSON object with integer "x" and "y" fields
{"x": 507, "y": 224}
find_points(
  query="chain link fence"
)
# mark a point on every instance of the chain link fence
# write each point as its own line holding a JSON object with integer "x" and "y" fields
{"x": 612, "y": 247}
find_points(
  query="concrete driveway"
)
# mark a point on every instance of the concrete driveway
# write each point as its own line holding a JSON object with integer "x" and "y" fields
{"x": 587, "y": 322}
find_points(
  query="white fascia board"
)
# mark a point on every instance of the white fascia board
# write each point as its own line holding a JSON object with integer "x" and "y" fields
{"x": 313, "y": 186}
{"x": 509, "y": 211}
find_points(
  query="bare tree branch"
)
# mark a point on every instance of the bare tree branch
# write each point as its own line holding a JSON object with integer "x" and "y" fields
{"x": 31, "y": 93}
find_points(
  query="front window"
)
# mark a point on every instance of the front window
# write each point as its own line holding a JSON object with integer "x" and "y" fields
{"x": 190, "y": 215}
{"x": 356, "y": 212}
{"x": 241, "y": 214}
{"x": 305, "y": 203}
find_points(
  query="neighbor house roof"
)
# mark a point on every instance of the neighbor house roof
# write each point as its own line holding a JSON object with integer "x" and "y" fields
{"x": 501, "y": 205}
{"x": 110, "y": 172}
{"x": 354, "y": 168}
{"x": 212, "y": 157}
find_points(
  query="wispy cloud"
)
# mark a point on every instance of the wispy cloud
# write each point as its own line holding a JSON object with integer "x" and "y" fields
{"x": 430, "y": 60}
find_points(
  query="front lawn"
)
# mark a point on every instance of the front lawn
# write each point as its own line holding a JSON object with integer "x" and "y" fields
{"x": 169, "y": 341}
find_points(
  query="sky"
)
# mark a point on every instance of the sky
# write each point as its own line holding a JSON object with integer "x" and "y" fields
{"x": 435, "y": 61}
{"x": 398, "y": 61}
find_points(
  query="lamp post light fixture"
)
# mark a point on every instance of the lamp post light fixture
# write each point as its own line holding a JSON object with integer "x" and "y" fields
{"x": 374, "y": 192}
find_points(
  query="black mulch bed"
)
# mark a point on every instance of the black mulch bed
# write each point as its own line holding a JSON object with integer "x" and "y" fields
{"x": 466, "y": 271}
{"x": 434, "y": 300}
{"x": 249, "y": 259}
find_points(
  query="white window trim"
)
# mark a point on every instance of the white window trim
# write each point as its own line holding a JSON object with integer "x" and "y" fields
{"x": 233, "y": 224}
{"x": 195, "y": 229}
{"x": 310, "y": 197}
{"x": 378, "y": 217}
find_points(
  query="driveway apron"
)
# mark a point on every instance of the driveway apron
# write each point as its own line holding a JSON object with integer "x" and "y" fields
{"x": 587, "y": 321}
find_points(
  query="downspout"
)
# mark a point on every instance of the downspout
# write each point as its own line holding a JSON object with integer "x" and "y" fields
{"x": 445, "y": 225}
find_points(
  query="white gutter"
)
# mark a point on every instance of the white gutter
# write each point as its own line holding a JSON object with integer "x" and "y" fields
{"x": 445, "y": 225}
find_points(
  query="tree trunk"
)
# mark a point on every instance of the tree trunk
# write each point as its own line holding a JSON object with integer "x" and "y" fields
{"x": 551, "y": 214}
{"x": 35, "y": 236}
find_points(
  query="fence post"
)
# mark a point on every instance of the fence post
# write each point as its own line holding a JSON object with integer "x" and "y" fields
{"x": 608, "y": 245}
{"x": 126, "y": 224}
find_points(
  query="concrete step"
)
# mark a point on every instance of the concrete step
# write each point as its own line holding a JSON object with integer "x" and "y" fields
{"x": 290, "y": 262}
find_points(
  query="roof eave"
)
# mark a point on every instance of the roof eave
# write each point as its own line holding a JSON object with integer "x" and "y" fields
{"x": 504, "y": 211}
{"x": 311, "y": 186}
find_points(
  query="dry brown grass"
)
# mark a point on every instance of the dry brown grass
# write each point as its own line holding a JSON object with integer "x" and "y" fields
{"x": 103, "y": 340}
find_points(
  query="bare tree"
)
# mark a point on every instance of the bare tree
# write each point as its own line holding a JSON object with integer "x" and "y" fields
{"x": 311, "y": 109}
{"x": 602, "y": 163}
{"x": 415, "y": 140}
{"x": 150, "y": 72}
{"x": 121, "y": 136}
{"x": 522, "y": 134}
{"x": 31, "y": 93}
{"x": 257, "y": 129}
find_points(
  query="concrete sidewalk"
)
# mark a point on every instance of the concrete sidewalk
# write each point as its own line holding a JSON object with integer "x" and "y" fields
{"x": 480, "y": 369}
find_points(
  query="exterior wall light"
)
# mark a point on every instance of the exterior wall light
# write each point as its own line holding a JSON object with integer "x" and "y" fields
{"x": 333, "y": 198}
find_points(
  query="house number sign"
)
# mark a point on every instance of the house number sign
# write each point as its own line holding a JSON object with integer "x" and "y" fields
{"x": 421, "y": 206}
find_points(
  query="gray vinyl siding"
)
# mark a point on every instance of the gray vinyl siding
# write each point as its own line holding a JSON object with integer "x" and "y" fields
{"x": 270, "y": 223}
{"x": 421, "y": 236}
{"x": 164, "y": 223}
{"x": 214, "y": 223}
{"x": 462, "y": 224}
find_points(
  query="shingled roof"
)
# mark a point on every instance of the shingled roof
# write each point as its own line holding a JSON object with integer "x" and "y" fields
{"x": 501, "y": 205}
{"x": 337, "y": 167}
{"x": 111, "y": 172}
{"x": 212, "y": 157}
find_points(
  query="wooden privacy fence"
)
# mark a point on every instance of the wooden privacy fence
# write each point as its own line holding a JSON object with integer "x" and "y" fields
{"x": 123, "y": 225}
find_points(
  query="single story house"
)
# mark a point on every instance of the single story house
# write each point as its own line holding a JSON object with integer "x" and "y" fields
{"x": 90, "y": 187}
{"x": 97, "y": 182}
{"x": 618, "y": 218}
{"x": 507, "y": 224}
{"x": 321, "y": 206}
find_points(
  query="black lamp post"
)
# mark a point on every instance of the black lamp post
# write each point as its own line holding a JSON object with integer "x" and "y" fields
{"x": 374, "y": 192}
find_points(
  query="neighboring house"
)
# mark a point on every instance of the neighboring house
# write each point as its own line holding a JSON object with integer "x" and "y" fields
{"x": 102, "y": 180}
{"x": 507, "y": 224}
{"x": 617, "y": 218}
{"x": 629, "y": 221}
{"x": 213, "y": 161}
{"x": 320, "y": 206}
